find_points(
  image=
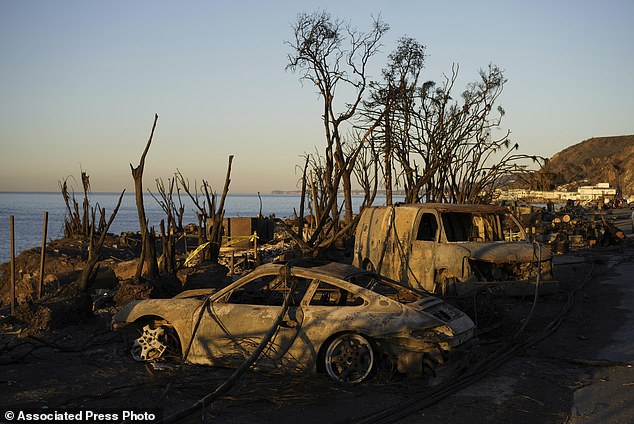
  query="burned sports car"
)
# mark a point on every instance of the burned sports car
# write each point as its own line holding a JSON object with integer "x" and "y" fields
{"x": 328, "y": 317}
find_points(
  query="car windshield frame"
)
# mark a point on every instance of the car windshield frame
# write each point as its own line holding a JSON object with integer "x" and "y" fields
{"x": 356, "y": 282}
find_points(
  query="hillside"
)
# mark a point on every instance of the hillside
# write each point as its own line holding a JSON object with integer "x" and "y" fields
{"x": 599, "y": 159}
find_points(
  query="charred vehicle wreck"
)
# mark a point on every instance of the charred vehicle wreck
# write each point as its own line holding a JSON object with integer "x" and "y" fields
{"x": 331, "y": 318}
{"x": 452, "y": 249}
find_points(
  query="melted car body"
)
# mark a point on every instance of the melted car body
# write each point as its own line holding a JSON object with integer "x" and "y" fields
{"x": 339, "y": 319}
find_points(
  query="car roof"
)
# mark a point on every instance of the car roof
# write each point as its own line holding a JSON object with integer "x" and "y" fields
{"x": 315, "y": 268}
{"x": 335, "y": 269}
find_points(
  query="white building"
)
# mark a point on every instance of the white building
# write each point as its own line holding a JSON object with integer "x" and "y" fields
{"x": 584, "y": 193}
{"x": 599, "y": 191}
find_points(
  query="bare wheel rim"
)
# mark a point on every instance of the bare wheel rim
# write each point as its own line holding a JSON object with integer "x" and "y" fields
{"x": 153, "y": 344}
{"x": 349, "y": 359}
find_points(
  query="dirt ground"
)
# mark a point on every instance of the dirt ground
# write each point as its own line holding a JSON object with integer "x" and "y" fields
{"x": 570, "y": 365}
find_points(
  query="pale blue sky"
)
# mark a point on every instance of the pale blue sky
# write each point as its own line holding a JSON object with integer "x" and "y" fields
{"x": 80, "y": 81}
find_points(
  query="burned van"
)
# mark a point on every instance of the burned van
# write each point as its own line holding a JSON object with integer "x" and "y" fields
{"x": 452, "y": 249}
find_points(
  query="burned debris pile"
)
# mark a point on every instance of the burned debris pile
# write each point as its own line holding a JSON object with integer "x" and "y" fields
{"x": 572, "y": 227}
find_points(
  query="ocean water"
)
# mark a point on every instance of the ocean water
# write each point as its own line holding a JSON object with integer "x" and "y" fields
{"x": 28, "y": 213}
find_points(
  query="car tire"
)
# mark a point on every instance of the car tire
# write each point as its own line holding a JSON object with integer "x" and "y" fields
{"x": 349, "y": 358}
{"x": 155, "y": 342}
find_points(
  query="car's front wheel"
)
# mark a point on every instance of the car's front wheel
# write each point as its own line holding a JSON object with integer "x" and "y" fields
{"x": 349, "y": 358}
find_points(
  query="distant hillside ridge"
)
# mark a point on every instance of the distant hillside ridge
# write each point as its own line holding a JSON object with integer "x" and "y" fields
{"x": 596, "y": 160}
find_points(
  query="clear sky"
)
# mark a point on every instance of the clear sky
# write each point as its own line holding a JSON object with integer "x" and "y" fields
{"x": 80, "y": 81}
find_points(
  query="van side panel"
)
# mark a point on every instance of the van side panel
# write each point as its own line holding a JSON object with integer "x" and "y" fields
{"x": 361, "y": 237}
{"x": 399, "y": 247}
{"x": 421, "y": 269}
{"x": 383, "y": 240}
{"x": 369, "y": 237}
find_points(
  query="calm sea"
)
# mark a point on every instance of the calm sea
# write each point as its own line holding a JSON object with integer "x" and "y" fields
{"x": 28, "y": 212}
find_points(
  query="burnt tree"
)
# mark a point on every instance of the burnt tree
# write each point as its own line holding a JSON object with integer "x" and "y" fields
{"x": 173, "y": 213}
{"x": 208, "y": 211}
{"x": 148, "y": 250}
{"x": 77, "y": 221}
{"x": 94, "y": 248}
{"x": 441, "y": 146}
{"x": 395, "y": 97}
{"x": 174, "y": 216}
{"x": 330, "y": 54}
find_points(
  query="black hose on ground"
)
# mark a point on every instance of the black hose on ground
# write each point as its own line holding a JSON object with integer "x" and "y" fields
{"x": 536, "y": 295}
{"x": 478, "y": 372}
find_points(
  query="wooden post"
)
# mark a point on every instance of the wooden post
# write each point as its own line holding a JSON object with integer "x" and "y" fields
{"x": 255, "y": 248}
{"x": 42, "y": 256}
{"x": 12, "y": 266}
{"x": 233, "y": 261}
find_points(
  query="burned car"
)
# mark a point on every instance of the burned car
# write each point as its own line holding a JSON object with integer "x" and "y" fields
{"x": 452, "y": 249}
{"x": 338, "y": 319}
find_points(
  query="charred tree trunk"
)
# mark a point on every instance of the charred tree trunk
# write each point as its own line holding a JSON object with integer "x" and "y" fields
{"x": 300, "y": 223}
{"x": 148, "y": 255}
{"x": 387, "y": 152}
{"x": 168, "y": 255}
{"x": 215, "y": 238}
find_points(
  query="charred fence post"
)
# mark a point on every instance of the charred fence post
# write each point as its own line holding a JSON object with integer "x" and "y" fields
{"x": 12, "y": 266}
{"x": 42, "y": 256}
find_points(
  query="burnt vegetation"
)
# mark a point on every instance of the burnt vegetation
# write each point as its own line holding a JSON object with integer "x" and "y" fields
{"x": 402, "y": 132}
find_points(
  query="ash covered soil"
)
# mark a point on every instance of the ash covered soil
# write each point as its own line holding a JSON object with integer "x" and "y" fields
{"x": 570, "y": 364}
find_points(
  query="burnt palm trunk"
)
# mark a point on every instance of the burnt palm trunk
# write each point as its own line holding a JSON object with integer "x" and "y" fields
{"x": 148, "y": 255}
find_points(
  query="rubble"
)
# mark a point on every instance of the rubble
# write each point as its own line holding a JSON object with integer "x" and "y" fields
{"x": 572, "y": 227}
{"x": 54, "y": 315}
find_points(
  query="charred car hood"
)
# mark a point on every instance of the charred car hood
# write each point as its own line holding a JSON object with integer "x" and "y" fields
{"x": 503, "y": 252}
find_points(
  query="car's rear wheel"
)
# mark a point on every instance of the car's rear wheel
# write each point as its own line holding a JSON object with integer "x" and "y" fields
{"x": 349, "y": 358}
